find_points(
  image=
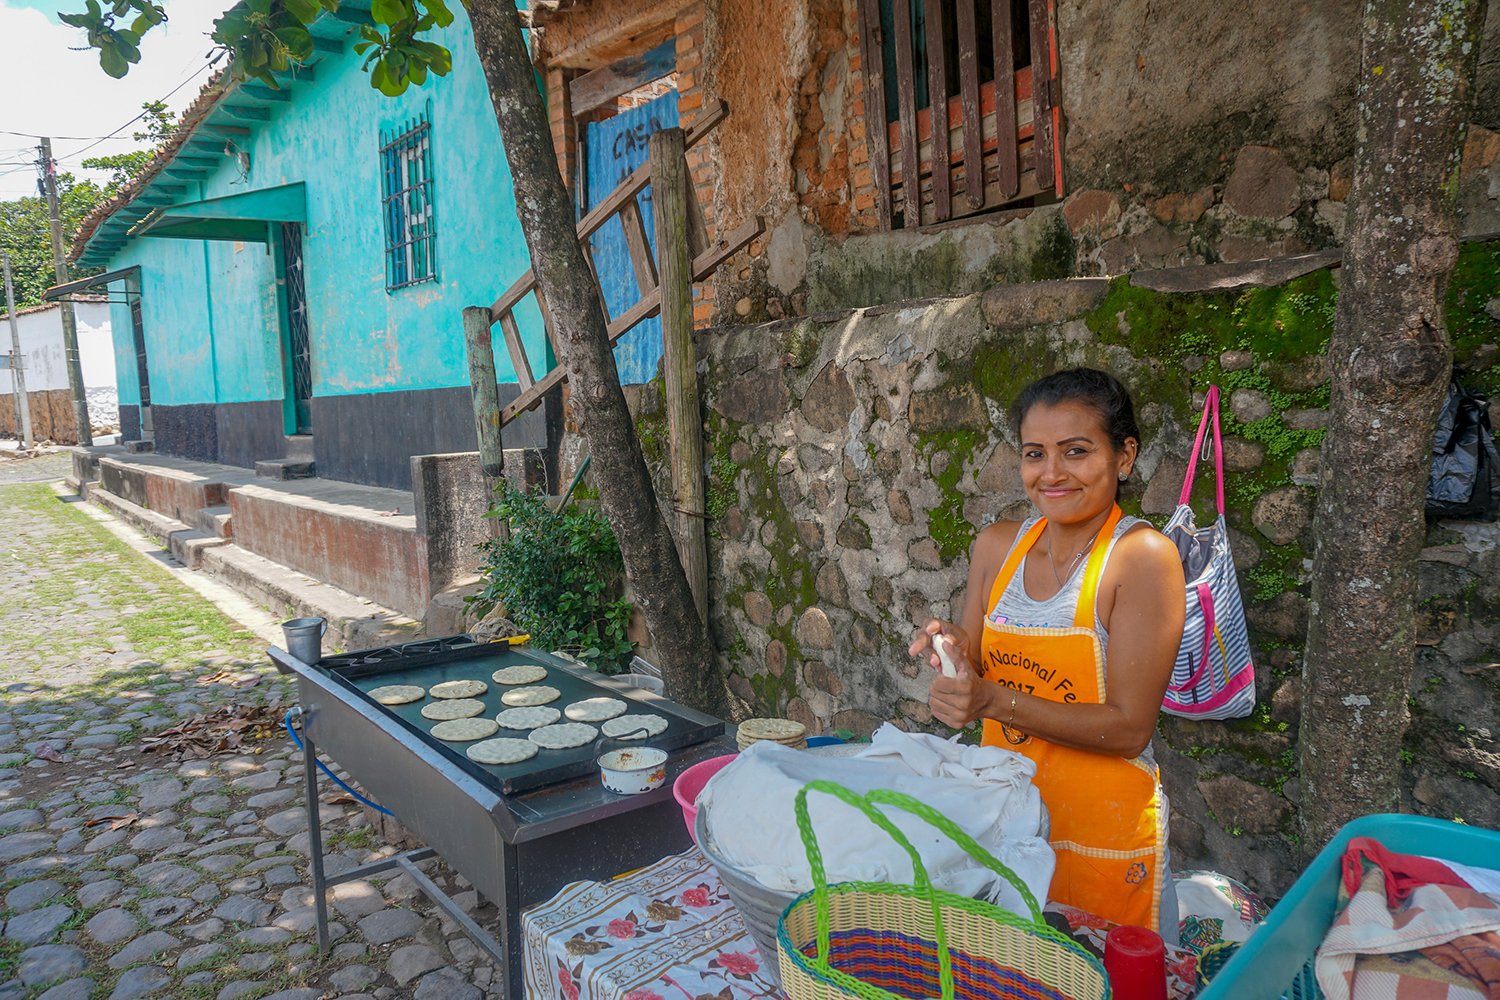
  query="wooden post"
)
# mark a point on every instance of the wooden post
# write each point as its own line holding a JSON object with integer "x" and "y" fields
{"x": 485, "y": 386}
{"x": 486, "y": 389}
{"x": 670, "y": 190}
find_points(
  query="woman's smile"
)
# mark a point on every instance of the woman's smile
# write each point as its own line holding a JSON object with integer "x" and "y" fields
{"x": 1069, "y": 466}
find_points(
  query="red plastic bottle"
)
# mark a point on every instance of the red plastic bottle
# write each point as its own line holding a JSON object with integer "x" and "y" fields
{"x": 1135, "y": 959}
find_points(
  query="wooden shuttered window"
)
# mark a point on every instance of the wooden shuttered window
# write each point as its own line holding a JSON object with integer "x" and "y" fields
{"x": 962, "y": 97}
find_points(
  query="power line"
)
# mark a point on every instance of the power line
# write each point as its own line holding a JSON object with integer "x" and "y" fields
{"x": 192, "y": 76}
{"x": 94, "y": 140}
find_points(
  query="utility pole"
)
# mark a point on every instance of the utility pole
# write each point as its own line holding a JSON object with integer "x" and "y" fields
{"x": 17, "y": 361}
{"x": 69, "y": 321}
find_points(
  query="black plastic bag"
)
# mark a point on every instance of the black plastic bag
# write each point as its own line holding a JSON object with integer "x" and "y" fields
{"x": 1465, "y": 479}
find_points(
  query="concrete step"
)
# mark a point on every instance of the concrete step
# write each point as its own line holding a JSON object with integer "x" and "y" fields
{"x": 353, "y": 622}
{"x": 216, "y": 521}
{"x": 299, "y": 446}
{"x": 286, "y": 468}
{"x": 189, "y": 545}
{"x": 144, "y": 520}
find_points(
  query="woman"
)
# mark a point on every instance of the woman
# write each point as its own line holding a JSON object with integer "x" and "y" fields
{"x": 1070, "y": 626}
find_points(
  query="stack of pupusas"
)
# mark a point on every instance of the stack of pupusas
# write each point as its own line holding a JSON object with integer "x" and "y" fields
{"x": 783, "y": 731}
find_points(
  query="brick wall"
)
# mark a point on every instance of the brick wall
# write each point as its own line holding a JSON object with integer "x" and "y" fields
{"x": 564, "y": 129}
{"x": 690, "y": 102}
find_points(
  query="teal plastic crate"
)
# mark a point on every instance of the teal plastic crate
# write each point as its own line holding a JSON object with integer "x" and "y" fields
{"x": 1266, "y": 965}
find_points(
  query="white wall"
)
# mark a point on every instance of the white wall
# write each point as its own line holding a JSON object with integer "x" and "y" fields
{"x": 42, "y": 346}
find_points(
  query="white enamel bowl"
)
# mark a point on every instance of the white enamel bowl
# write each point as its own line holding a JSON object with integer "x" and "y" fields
{"x": 632, "y": 771}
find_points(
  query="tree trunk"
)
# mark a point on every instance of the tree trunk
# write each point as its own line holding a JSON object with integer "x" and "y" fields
{"x": 1391, "y": 360}
{"x": 679, "y": 637}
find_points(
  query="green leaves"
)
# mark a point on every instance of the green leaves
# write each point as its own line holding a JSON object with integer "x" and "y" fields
{"x": 266, "y": 37}
{"x": 559, "y": 577}
{"x": 391, "y": 12}
{"x": 397, "y": 57}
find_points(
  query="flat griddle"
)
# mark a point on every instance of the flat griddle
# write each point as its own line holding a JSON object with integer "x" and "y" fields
{"x": 426, "y": 664}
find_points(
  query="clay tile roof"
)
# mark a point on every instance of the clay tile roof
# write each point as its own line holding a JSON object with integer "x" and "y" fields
{"x": 217, "y": 87}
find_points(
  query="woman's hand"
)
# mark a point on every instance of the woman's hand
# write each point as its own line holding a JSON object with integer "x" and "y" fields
{"x": 958, "y": 701}
{"x": 922, "y": 644}
{"x": 960, "y": 698}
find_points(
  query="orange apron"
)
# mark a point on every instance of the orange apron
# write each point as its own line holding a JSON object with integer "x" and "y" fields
{"x": 1107, "y": 827}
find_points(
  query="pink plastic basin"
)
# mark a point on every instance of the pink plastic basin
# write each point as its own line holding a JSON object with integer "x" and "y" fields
{"x": 690, "y": 782}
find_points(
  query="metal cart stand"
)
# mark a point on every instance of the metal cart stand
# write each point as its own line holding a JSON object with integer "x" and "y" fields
{"x": 516, "y": 850}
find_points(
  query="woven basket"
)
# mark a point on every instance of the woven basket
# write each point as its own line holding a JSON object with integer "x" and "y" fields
{"x": 877, "y": 940}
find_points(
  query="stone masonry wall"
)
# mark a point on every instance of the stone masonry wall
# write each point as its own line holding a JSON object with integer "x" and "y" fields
{"x": 852, "y": 454}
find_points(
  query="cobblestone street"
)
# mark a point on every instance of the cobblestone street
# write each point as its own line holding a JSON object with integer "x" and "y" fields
{"x": 129, "y": 873}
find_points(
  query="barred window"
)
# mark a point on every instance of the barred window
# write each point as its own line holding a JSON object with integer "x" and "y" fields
{"x": 406, "y": 186}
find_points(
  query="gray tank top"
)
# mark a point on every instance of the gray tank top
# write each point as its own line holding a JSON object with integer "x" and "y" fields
{"x": 1016, "y": 607}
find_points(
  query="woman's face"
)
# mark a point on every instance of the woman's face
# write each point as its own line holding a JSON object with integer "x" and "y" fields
{"x": 1069, "y": 466}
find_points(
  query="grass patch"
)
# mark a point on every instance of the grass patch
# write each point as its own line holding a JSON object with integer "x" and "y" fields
{"x": 68, "y": 560}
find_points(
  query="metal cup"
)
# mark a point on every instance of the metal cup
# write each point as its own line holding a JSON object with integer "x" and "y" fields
{"x": 304, "y": 638}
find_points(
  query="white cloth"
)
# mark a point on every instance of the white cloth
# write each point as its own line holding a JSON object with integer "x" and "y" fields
{"x": 750, "y": 812}
{"x": 1481, "y": 880}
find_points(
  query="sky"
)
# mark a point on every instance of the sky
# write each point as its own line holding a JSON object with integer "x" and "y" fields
{"x": 51, "y": 90}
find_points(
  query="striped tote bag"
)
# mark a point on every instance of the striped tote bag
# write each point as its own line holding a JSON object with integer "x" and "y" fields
{"x": 1213, "y": 677}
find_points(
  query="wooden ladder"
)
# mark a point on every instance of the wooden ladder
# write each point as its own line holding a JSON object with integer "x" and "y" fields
{"x": 622, "y": 202}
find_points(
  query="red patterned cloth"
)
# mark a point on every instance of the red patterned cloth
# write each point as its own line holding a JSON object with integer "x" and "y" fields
{"x": 1403, "y": 872}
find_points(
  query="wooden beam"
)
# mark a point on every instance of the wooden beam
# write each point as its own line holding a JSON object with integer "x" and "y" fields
{"x": 636, "y": 244}
{"x": 517, "y": 351}
{"x": 937, "y": 93}
{"x": 296, "y": 73}
{"x": 248, "y": 112}
{"x": 1009, "y": 178}
{"x": 485, "y": 389}
{"x": 594, "y": 41}
{"x": 697, "y": 228}
{"x": 1041, "y": 90}
{"x": 671, "y": 185}
{"x": 600, "y": 86}
{"x": 703, "y": 265}
{"x": 601, "y": 213}
{"x": 968, "y": 89}
{"x": 873, "y": 63}
{"x": 333, "y": 46}
{"x": 223, "y": 129}
{"x": 906, "y": 107}
{"x": 351, "y": 15}
{"x": 263, "y": 93}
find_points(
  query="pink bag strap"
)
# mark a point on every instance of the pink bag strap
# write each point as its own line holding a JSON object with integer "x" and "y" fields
{"x": 1210, "y": 408}
{"x": 1206, "y": 601}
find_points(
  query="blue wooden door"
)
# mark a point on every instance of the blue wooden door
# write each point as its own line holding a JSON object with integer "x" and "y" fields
{"x": 613, "y": 148}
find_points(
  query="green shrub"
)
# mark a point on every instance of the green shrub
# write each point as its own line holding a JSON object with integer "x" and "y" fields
{"x": 558, "y": 577}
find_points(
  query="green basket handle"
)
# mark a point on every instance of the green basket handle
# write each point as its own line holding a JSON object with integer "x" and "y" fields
{"x": 866, "y": 804}
{"x": 820, "y": 876}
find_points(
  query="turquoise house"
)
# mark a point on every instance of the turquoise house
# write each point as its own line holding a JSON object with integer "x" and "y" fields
{"x": 288, "y": 274}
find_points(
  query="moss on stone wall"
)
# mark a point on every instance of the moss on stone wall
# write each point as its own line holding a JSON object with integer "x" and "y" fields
{"x": 947, "y": 453}
{"x": 1286, "y": 322}
{"x": 1475, "y": 331}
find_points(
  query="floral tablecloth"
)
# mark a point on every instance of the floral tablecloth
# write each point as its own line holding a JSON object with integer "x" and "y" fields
{"x": 669, "y": 932}
{"x": 666, "y": 932}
